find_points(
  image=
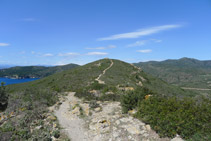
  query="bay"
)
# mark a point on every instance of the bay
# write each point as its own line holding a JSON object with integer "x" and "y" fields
{"x": 9, "y": 81}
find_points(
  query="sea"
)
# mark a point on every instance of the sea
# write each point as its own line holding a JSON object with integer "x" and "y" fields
{"x": 9, "y": 81}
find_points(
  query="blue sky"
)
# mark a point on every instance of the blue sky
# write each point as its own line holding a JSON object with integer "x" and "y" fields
{"x": 57, "y": 32}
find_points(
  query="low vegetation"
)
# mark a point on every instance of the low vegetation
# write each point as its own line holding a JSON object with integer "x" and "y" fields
{"x": 3, "y": 97}
{"x": 185, "y": 72}
{"x": 163, "y": 106}
{"x": 188, "y": 117}
{"x": 30, "y": 120}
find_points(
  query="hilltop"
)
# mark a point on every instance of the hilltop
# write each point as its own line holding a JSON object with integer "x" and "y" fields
{"x": 33, "y": 71}
{"x": 184, "y": 72}
{"x": 120, "y": 76}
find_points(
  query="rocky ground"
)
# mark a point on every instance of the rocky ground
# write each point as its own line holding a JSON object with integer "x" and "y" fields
{"x": 100, "y": 121}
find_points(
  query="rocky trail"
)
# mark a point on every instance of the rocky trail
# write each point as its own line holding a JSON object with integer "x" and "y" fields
{"x": 199, "y": 89}
{"x": 103, "y": 122}
{"x": 104, "y": 71}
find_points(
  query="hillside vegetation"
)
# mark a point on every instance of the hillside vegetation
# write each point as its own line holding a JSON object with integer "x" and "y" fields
{"x": 33, "y": 71}
{"x": 163, "y": 106}
{"x": 184, "y": 72}
{"x": 84, "y": 78}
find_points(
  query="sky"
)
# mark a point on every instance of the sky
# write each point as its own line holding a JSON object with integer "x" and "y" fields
{"x": 58, "y": 32}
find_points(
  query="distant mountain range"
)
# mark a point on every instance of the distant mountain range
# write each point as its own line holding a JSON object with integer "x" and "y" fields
{"x": 184, "y": 72}
{"x": 33, "y": 71}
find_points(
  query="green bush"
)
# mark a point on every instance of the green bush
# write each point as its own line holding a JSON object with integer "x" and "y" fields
{"x": 130, "y": 100}
{"x": 3, "y": 97}
{"x": 170, "y": 116}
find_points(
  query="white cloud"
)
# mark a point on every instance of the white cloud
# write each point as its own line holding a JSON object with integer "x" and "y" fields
{"x": 102, "y": 48}
{"x": 143, "y": 42}
{"x": 111, "y": 46}
{"x": 97, "y": 53}
{"x": 156, "y": 40}
{"x": 68, "y": 54}
{"x": 140, "y": 33}
{"x": 4, "y": 44}
{"x": 48, "y": 55}
{"x": 32, "y": 52}
{"x": 138, "y": 43}
{"x": 145, "y": 51}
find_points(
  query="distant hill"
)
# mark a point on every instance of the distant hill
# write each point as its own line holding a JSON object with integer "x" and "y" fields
{"x": 120, "y": 75}
{"x": 185, "y": 72}
{"x": 34, "y": 71}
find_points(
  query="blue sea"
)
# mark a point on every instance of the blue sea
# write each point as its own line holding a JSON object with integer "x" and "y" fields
{"x": 9, "y": 81}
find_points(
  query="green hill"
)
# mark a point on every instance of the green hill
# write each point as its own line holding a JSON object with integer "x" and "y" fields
{"x": 34, "y": 71}
{"x": 184, "y": 72}
{"x": 120, "y": 76}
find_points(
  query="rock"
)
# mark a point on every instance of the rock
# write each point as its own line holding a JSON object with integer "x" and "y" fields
{"x": 143, "y": 131}
{"x": 52, "y": 118}
{"x": 97, "y": 109}
{"x": 145, "y": 135}
{"x": 86, "y": 110}
{"x": 117, "y": 122}
{"x": 99, "y": 102}
{"x": 132, "y": 112}
{"x": 148, "y": 127}
{"x": 76, "y": 111}
{"x": 177, "y": 138}
{"x": 114, "y": 128}
{"x": 132, "y": 129}
{"x": 125, "y": 120}
{"x": 115, "y": 134}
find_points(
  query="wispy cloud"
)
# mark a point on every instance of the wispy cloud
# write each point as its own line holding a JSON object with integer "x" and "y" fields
{"x": 138, "y": 43}
{"x": 99, "y": 48}
{"x": 4, "y": 44}
{"x": 29, "y": 19}
{"x": 68, "y": 54}
{"x": 145, "y": 51}
{"x": 48, "y": 55}
{"x": 140, "y": 33}
{"x": 143, "y": 42}
{"x": 97, "y": 53}
{"x": 102, "y": 48}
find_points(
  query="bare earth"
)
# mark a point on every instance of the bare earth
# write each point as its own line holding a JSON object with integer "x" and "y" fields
{"x": 105, "y": 123}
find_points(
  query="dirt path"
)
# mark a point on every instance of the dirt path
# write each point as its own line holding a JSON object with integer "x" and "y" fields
{"x": 98, "y": 78}
{"x": 199, "y": 89}
{"x": 72, "y": 124}
{"x": 102, "y": 123}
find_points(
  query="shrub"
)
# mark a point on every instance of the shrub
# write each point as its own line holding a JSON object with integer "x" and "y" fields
{"x": 3, "y": 97}
{"x": 130, "y": 100}
{"x": 170, "y": 116}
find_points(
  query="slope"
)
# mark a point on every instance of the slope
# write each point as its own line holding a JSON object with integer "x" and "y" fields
{"x": 184, "y": 72}
{"x": 34, "y": 71}
{"x": 121, "y": 76}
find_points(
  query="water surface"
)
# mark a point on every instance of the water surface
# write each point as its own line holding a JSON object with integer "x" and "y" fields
{"x": 9, "y": 81}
